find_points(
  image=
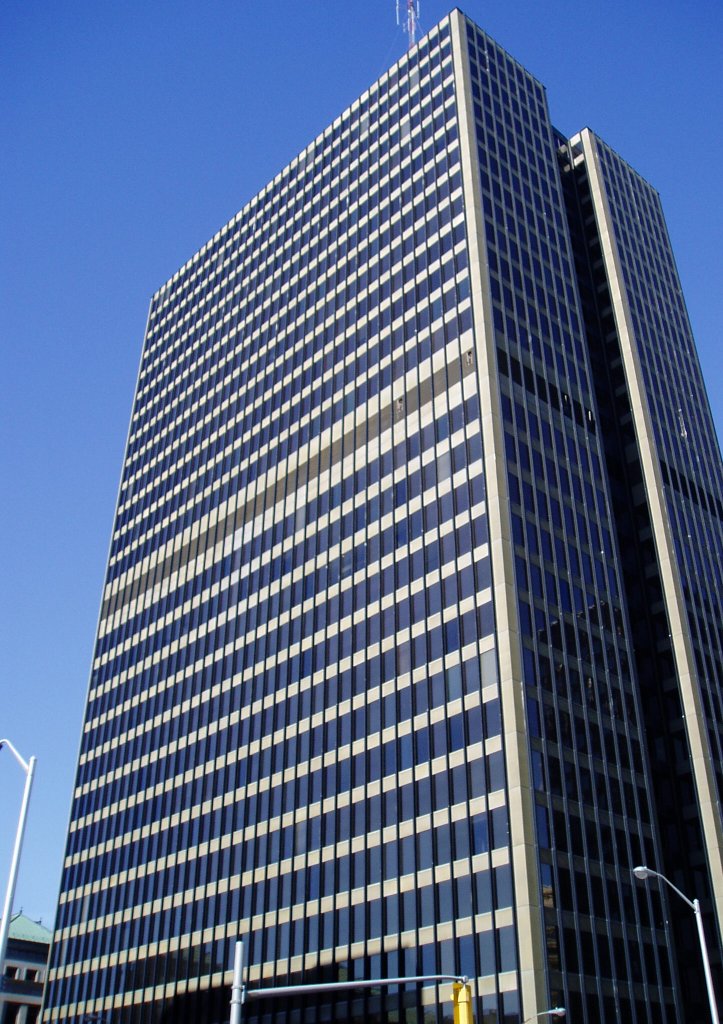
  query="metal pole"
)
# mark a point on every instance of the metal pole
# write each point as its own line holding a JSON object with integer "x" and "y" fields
{"x": 706, "y": 962}
{"x": 642, "y": 872}
{"x": 337, "y": 986}
{"x": 237, "y": 986}
{"x": 29, "y": 769}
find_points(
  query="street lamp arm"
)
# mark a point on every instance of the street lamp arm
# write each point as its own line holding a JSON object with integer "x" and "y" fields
{"x": 23, "y": 764}
{"x": 638, "y": 872}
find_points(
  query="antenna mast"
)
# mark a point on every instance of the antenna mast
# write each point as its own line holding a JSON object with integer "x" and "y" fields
{"x": 412, "y": 20}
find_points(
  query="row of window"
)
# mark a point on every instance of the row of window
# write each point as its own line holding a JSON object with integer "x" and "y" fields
{"x": 324, "y": 556}
{"x": 369, "y": 256}
{"x": 424, "y": 554}
{"x": 285, "y": 415}
{"x": 339, "y": 148}
{"x": 416, "y": 743}
{"x": 235, "y": 582}
{"x": 493, "y": 950}
{"x": 299, "y": 871}
{"x": 338, "y": 221}
{"x": 354, "y": 268}
{"x": 450, "y": 305}
{"x": 359, "y": 258}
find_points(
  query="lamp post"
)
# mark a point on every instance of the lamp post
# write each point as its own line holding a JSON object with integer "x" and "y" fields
{"x": 556, "y": 1011}
{"x": 643, "y": 873}
{"x": 29, "y": 768}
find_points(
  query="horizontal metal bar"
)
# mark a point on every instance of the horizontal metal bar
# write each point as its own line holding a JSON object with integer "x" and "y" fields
{"x": 336, "y": 986}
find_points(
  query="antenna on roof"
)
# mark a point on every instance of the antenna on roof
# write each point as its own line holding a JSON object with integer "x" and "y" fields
{"x": 412, "y": 20}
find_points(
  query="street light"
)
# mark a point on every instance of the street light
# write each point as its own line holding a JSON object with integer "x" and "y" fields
{"x": 556, "y": 1011}
{"x": 29, "y": 768}
{"x": 643, "y": 873}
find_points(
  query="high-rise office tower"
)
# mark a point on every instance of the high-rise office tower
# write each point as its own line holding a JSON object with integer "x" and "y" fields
{"x": 409, "y": 648}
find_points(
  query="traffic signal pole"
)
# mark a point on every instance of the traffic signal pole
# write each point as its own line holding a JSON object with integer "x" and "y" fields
{"x": 461, "y": 992}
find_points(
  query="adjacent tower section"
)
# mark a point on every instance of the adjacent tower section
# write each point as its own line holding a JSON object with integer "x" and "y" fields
{"x": 664, "y": 464}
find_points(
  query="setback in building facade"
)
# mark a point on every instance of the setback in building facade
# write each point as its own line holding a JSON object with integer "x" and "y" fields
{"x": 410, "y": 644}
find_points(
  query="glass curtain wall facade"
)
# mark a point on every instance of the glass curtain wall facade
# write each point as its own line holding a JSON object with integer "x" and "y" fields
{"x": 364, "y": 691}
{"x": 664, "y": 464}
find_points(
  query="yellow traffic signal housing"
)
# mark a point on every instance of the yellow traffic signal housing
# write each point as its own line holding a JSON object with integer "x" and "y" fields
{"x": 462, "y": 1002}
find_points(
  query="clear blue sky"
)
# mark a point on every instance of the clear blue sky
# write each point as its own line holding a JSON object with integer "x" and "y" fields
{"x": 131, "y": 131}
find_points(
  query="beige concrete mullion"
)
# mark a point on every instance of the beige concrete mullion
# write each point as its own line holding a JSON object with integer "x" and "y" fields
{"x": 695, "y": 718}
{"x": 528, "y": 910}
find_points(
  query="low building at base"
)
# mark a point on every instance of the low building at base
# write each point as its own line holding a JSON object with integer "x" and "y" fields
{"x": 26, "y": 965}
